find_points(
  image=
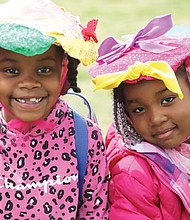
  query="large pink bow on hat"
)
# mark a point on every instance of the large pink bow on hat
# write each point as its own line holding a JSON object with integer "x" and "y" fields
{"x": 111, "y": 49}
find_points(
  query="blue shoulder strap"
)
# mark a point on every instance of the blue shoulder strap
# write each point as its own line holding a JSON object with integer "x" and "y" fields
{"x": 81, "y": 142}
{"x": 91, "y": 114}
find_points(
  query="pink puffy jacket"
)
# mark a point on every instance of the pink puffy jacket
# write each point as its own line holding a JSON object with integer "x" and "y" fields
{"x": 137, "y": 191}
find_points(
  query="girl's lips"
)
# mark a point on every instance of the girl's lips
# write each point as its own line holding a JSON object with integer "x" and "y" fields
{"x": 28, "y": 103}
{"x": 28, "y": 100}
{"x": 164, "y": 134}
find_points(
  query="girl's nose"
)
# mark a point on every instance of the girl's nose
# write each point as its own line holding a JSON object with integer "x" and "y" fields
{"x": 29, "y": 82}
{"x": 157, "y": 117}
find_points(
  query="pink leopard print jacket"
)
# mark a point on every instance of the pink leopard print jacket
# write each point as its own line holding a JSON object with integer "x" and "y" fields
{"x": 39, "y": 176}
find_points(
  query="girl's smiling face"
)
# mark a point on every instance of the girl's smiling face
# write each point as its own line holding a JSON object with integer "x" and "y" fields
{"x": 158, "y": 114}
{"x": 30, "y": 86}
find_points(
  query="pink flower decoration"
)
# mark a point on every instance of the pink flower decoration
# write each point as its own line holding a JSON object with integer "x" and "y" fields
{"x": 88, "y": 32}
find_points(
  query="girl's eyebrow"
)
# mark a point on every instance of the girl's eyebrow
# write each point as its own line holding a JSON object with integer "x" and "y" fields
{"x": 161, "y": 91}
{"x": 41, "y": 59}
{"x": 7, "y": 60}
{"x": 130, "y": 101}
{"x": 47, "y": 59}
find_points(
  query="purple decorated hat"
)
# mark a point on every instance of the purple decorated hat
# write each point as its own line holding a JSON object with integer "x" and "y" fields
{"x": 157, "y": 41}
{"x": 155, "y": 52}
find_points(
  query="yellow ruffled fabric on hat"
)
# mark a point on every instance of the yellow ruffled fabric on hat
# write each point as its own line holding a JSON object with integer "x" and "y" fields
{"x": 156, "y": 69}
{"x": 85, "y": 51}
{"x": 50, "y": 20}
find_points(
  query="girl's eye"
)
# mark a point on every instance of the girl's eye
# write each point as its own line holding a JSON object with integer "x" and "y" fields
{"x": 168, "y": 100}
{"x": 12, "y": 71}
{"x": 138, "y": 110}
{"x": 44, "y": 70}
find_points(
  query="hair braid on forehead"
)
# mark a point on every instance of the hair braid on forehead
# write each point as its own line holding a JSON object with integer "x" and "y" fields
{"x": 123, "y": 125}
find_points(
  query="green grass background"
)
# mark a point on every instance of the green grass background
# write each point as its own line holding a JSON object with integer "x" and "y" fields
{"x": 117, "y": 18}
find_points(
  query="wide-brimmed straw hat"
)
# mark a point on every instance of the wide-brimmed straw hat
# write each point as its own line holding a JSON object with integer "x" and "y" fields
{"x": 157, "y": 44}
{"x": 30, "y": 27}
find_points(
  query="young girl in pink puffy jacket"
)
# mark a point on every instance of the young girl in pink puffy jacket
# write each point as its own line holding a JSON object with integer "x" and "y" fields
{"x": 148, "y": 145}
{"x": 41, "y": 46}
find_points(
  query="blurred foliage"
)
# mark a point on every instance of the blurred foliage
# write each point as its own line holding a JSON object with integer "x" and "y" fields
{"x": 117, "y": 18}
{"x": 120, "y": 17}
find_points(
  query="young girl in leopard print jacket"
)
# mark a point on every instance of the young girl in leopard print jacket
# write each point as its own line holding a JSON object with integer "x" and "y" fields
{"x": 41, "y": 46}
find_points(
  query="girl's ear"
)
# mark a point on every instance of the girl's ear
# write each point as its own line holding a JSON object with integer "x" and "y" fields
{"x": 64, "y": 83}
{"x": 65, "y": 88}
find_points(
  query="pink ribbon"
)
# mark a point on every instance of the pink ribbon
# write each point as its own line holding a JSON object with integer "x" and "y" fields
{"x": 111, "y": 49}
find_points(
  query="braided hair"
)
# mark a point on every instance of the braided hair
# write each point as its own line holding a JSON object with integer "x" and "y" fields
{"x": 183, "y": 71}
{"x": 121, "y": 118}
{"x": 72, "y": 73}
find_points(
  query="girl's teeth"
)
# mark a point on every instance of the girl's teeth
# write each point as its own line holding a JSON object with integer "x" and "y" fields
{"x": 34, "y": 100}
{"x": 21, "y": 100}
